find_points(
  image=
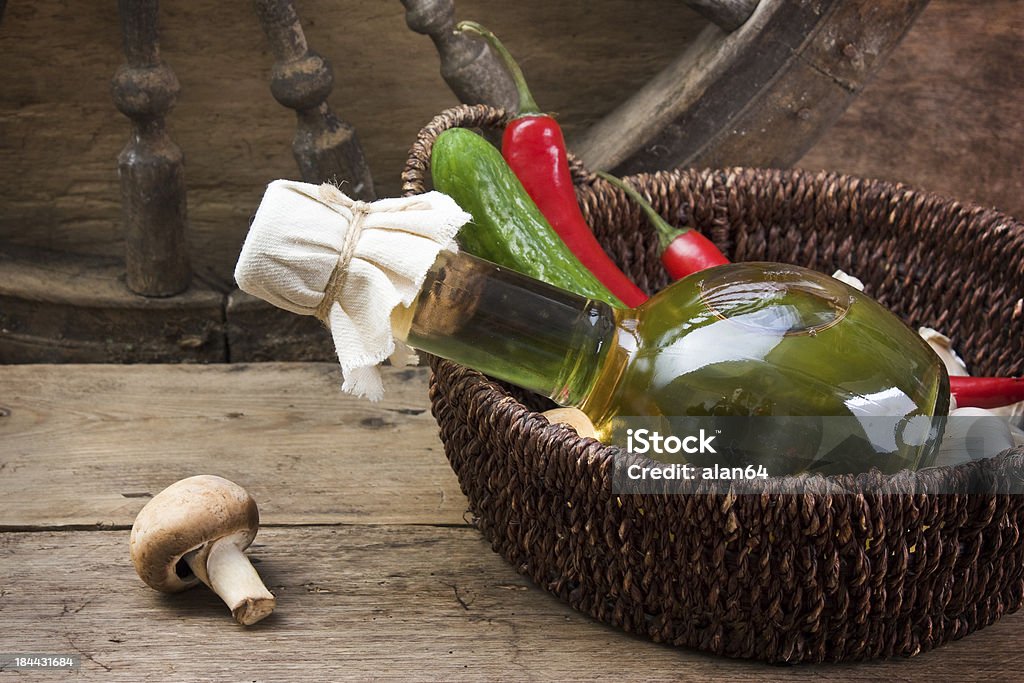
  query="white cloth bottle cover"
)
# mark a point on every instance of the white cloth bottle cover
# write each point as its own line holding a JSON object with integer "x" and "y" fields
{"x": 313, "y": 251}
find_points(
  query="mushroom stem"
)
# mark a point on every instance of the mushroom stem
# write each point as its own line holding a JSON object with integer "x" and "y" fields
{"x": 231, "y": 576}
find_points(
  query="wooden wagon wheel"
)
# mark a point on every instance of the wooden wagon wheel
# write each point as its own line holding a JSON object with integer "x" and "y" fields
{"x": 759, "y": 85}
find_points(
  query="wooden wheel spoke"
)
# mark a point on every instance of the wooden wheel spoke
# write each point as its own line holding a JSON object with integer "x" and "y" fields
{"x": 759, "y": 96}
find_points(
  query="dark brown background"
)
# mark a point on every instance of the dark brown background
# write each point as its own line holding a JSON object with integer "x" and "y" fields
{"x": 944, "y": 114}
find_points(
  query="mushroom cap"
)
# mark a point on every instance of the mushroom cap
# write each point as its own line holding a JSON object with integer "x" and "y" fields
{"x": 185, "y": 517}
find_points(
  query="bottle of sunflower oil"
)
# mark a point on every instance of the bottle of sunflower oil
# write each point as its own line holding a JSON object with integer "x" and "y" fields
{"x": 787, "y": 369}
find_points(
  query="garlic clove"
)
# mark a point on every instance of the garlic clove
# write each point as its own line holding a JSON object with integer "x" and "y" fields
{"x": 574, "y": 417}
{"x": 944, "y": 347}
{"x": 973, "y": 434}
{"x": 848, "y": 279}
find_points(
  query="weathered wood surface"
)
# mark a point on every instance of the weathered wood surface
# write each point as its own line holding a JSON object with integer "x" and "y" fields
{"x": 383, "y": 602}
{"x": 260, "y": 331}
{"x": 393, "y": 586}
{"x": 86, "y": 445}
{"x": 945, "y": 113}
{"x": 62, "y": 307}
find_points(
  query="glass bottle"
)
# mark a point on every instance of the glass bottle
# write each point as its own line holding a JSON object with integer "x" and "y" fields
{"x": 789, "y": 368}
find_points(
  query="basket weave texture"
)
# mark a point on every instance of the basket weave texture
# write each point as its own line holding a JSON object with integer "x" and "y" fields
{"x": 850, "y": 567}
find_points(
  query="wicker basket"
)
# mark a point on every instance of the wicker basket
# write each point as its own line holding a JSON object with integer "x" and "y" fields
{"x": 853, "y": 567}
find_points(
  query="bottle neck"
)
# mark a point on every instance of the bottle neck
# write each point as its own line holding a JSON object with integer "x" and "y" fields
{"x": 508, "y": 326}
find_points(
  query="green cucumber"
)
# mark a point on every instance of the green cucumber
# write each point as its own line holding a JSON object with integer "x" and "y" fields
{"x": 507, "y": 227}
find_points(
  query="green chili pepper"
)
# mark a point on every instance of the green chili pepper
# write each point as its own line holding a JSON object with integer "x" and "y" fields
{"x": 507, "y": 227}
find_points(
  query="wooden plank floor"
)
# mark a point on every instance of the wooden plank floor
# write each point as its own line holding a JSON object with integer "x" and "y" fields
{"x": 364, "y": 543}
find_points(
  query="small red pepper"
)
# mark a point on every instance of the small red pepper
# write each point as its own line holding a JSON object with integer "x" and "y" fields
{"x": 986, "y": 392}
{"x": 534, "y": 147}
{"x": 684, "y": 251}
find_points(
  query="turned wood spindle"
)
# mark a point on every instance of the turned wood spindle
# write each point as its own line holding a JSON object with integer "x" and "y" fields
{"x": 325, "y": 147}
{"x": 151, "y": 166}
{"x": 468, "y": 65}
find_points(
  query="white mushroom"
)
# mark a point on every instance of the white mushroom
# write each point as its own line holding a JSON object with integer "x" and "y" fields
{"x": 196, "y": 530}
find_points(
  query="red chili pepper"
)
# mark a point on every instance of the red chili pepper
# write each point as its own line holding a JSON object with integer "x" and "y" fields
{"x": 986, "y": 392}
{"x": 533, "y": 145}
{"x": 684, "y": 251}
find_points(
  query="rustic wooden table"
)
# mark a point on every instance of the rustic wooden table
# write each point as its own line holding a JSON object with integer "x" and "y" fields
{"x": 365, "y": 543}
